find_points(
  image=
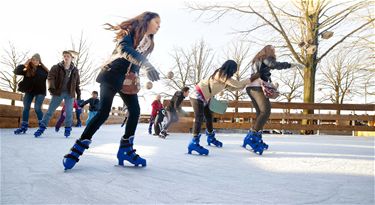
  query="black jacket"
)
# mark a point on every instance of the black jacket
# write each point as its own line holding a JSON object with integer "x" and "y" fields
{"x": 56, "y": 77}
{"x": 35, "y": 85}
{"x": 94, "y": 104}
{"x": 175, "y": 103}
{"x": 125, "y": 54}
{"x": 264, "y": 67}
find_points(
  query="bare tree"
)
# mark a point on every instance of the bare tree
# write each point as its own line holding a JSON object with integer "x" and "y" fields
{"x": 11, "y": 59}
{"x": 341, "y": 75}
{"x": 239, "y": 51}
{"x": 83, "y": 61}
{"x": 290, "y": 84}
{"x": 190, "y": 66}
{"x": 300, "y": 27}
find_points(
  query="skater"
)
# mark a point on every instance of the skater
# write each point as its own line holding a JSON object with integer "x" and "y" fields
{"x": 156, "y": 107}
{"x": 135, "y": 39}
{"x": 63, "y": 81}
{"x": 63, "y": 115}
{"x": 33, "y": 85}
{"x": 200, "y": 98}
{"x": 172, "y": 109}
{"x": 94, "y": 106}
{"x": 262, "y": 63}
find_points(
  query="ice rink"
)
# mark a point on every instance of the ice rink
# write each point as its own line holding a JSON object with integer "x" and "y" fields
{"x": 295, "y": 170}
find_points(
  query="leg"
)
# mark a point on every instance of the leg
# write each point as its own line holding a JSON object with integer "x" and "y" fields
{"x": 55, "y": 102}
{"x": 126, "y": 151}
{"x": 68, "y": 100}
{"x": 210, "y": 130}
{"x": 198, "y": 108}
{"x": 60, "y": 121}
{"x": 262, "y": 105}
{"x": 107, "y": 94}
{"x": 134, "y": 111}
{"x": 27, "y": 99}
{"x": 38, "y": 106}
{"x": 208, "y": 117}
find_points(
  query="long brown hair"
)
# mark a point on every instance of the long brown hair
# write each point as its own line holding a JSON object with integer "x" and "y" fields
{"x": 267, "y": 51}
{"x": 31, "y": 69}
{"x": 136, "y": 26}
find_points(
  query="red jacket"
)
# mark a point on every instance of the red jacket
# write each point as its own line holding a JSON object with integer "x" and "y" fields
{"x": 156, "y": 106}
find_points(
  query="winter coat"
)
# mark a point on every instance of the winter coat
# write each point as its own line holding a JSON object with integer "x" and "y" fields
{"x": 35, "y": 85}
{"x": 176, "y": 101}
{"x": 125, "y": 56}
{"x": 217, "y": 85}
{"x": 156, "y": 106}
{"x": 56, "y": 78}
{"x": 94, "y": 104}
{"x": 263, "y": 68}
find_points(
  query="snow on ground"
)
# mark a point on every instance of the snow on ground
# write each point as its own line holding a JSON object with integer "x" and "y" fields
{"x": 296, "y": 170}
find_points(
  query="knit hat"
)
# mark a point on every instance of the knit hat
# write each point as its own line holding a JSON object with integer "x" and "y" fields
{"x": 36, "y": 56}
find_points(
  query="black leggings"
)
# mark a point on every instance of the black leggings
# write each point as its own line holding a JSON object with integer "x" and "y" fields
{"x": 200, "y": 111}
{"x": 262, "y": 106}
{"x": 107, "y": 93}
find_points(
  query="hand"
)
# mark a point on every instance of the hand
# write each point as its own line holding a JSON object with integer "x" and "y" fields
{"x": 297, "y": 65}
{"x": 151, "y": 72}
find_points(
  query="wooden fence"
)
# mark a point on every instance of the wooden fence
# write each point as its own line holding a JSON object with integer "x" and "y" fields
{"x": 11, "y": 116}
{"x": 288, "y": 117}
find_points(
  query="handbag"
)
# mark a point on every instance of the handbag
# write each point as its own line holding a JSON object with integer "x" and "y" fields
{"x": 270, "y": 90}
{"x": 132, "y": 83}
{"x": 216, "y": 106}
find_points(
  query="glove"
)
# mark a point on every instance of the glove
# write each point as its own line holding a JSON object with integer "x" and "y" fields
{"x": 297, "y": 65}
{"x": 151, "y": 72}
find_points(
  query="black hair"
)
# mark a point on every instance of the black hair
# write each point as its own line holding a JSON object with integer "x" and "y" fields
{"x": 227, "y": 70}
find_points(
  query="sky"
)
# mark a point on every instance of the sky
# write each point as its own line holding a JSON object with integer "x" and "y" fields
{"x": 47, "y": 27}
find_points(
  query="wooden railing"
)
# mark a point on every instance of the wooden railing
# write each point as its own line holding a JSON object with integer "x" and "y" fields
{"x": 288, "y": 117}
{"x": 11, "y": 116}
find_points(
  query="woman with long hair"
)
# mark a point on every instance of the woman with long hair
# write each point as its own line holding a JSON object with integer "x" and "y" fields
{"x": 34, "y": 86}
{"x": 263, "y": 62}
{"x": 200, "y": 98}
{"x": 135, "y": 40}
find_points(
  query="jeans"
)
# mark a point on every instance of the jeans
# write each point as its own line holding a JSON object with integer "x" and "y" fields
{"x": 172, "y": 117}
{"x": 55, "y": 102}
{"x": 107, "y": 93}
{"x": 262, "y": 106}
{"x": 91, "y": 115}
{"x": 27, "y": 99}
{"x": 201, "y": 110}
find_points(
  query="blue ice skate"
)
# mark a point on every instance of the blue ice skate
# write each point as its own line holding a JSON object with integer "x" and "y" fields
{"x": 67, "y": 131}
{"x": 212, "y": 140}
{"x": 22, "y": 129}
{"x": 40, "y": 131}
{"x": 77, "y": 150}
{"x": 126, "y": 152}
{"x": 195, "y": 146}
{"x": 254, "y": 139}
